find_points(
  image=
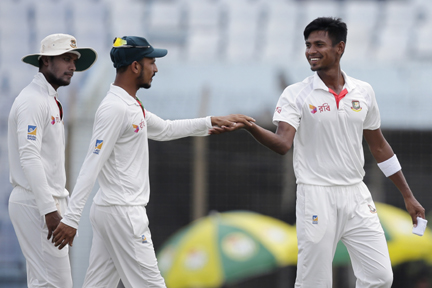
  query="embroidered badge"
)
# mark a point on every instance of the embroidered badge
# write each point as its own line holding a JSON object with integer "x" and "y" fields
{"x": 98, "y": 146}
{"x": 143, "y": 239}
{"x": 279, "y": 109}
{"x": 53, "y": 120}
{"x": 31, "y": 132}
{"x": 314, "y": 219}
{"x": 73, "y": 43}
{"x": 356, "y": 106}
{"x": 313, "y": 109}
{"x": 372, "y": 209}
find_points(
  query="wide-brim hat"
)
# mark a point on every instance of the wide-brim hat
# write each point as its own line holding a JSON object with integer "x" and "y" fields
{"x": 58, "y": 44}
{"x": 128, "y": 49}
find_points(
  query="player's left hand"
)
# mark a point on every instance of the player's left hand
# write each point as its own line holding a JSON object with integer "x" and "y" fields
{"x": 415, "y": 209}
{"x": 229, "y": 123}
{"x": 63, "y": 235}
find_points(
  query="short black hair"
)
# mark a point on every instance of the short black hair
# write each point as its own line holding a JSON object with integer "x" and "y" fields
{"x": 336, "y": 29}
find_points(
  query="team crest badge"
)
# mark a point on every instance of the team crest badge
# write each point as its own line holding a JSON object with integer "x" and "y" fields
{"x": 372, "y": 209}
{"x": 279, "y": 109}
{"x": 356, "y": 106}
{"x": 143, "y": 239}
{"x": 314, "y": 219}
{"x": 73, "y": 43}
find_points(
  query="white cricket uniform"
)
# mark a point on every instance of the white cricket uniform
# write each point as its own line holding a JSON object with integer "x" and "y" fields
{"x": 118, "y": 157}
{"x": 36, "y": 145}
{"x": 333, "y": 203}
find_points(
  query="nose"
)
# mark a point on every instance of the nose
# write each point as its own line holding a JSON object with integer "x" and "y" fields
{"x": 73, "y": 66}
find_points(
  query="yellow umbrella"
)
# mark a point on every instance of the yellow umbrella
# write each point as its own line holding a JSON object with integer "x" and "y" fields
{"x": 227, "y": 247}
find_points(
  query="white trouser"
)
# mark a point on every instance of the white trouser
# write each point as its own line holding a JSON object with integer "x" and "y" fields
{"x": 122, "y": 249}
{"x": 47, "y": 266}
{"x": 326, "y": 215}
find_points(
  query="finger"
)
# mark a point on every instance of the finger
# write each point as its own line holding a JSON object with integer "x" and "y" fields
{"x": 49, "y": 234}
{"x": 63, "y": 244}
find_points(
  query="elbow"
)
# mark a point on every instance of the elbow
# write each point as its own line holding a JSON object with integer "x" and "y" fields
{"x": 282, "y": 150}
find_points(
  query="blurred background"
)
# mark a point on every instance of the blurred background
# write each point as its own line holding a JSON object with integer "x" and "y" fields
{"x": 228, "y": 56}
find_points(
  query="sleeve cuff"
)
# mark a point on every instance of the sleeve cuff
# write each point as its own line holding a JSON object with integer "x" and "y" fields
{"x": 70, "y": 223}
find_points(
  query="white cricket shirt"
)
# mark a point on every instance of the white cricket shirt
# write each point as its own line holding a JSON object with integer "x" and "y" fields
{"x": 118, "y": 155}
{"x": 36, "y": 144}
{"x": 328, "y": 146}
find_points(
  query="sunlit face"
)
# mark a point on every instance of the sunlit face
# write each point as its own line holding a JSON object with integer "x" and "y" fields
{"x": 59, "y": 69}
{"x": 148, "y": 71}
{"x": 320, "y": 52}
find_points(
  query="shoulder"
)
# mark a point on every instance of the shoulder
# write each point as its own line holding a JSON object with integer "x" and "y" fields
{"x": 111, "y": 108}
{"x": 361, "y": 85}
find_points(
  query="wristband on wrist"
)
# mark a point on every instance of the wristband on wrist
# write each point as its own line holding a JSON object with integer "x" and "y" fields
{"x": 390, "y": 166}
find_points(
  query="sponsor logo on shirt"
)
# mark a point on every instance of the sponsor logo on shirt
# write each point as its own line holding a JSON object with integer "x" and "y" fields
{"x": 136, "y": 127}
{"x": 53, "y": 121}
{"x": 372, "y": 209}
{"x": 356, "y": 106}
{"x": 143, "y": 239}
{"x": 98, "y": 146}
{"x": 31, "y": 132}
{"x": 324, "y": 107}
{"x": 279, "y": 109}
{"x": 314, "y": 219}
{"x": 313, "y": 109}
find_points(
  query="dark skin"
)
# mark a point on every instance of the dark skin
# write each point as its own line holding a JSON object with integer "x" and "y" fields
{"x": 139, "y": 74}
{"x": 324, "y": 57}
{"x": 58, "y": 71}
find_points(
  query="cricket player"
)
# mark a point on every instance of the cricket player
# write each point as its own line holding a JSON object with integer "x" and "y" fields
{"x": 36, "y": 143}
{"x": 118, "y": 157}
{"x": 329, "y": 113}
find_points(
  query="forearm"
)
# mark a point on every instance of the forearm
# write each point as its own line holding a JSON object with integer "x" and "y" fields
{"x": 400, "y": 182}
{"x": 269, "y": 139}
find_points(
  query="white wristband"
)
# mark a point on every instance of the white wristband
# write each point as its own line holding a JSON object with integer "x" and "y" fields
{"x": 390, "y": 166}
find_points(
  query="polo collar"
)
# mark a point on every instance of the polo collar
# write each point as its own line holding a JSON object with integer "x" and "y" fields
{"x": 319, "y": 84}
{"x": 120, "y": 92}
{"x": 40, "y": 80}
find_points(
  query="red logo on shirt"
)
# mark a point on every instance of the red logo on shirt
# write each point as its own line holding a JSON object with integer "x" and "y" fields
{"x": 324, "y": 107}
{"x": 279, "y": 109}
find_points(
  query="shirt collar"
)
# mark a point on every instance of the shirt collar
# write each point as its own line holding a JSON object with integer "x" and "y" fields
{"x": 120, "y": 92}
{"x": 319, "y": 84}
{"x": 40, "y": 80}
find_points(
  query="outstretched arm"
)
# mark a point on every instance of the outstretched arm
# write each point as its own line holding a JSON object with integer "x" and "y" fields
{"x": 382, "y": 151}
{"x": 280, "y": 142}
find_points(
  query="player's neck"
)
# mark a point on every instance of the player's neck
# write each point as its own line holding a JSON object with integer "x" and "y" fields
{"x": 333, "y": 79}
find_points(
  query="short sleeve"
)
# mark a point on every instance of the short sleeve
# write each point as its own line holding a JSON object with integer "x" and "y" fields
{"x": 373, "y": 119}
{"x": 287, "y": 109}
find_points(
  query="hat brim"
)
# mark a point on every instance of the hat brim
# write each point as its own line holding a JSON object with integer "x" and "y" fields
{"x": 87, "y": 59}
{"x": 157, "y": 53}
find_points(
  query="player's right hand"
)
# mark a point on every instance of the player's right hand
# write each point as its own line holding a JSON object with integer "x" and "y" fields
{"x": 63, "y": 235}
{"x": 52, "y": 220}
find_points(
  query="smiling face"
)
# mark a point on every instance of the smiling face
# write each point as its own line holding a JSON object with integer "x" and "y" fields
{"x": 58, "y": 70}
{"x": 320, "y": 52}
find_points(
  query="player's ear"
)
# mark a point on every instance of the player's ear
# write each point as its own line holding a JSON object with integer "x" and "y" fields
{"x": 341, "y": 48}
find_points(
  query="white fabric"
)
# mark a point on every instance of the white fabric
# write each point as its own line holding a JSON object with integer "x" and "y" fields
{"x": 120, "y": 161}
{"x": 36, "y": 144}
{"x": 122, "y": 248}
{"x": 390, "y": 166}
{"x": 47, "y": 266}
{"x": 326, "y": 215}
{"x": 328, "y": 142}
